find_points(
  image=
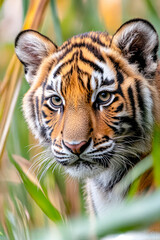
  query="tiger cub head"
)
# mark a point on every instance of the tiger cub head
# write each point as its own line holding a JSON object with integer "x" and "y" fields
{"x": 93, "y": 100}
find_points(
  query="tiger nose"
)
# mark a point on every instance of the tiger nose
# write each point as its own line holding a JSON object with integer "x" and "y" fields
{"x": 77, "y": 148}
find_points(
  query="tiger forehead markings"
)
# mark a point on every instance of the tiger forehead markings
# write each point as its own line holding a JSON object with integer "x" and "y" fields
{"x": 79, "y": 57}
{"x": 92, "y": 102}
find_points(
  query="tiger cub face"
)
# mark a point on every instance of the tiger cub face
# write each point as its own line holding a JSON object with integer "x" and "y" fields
{"x": 92, "y": 101}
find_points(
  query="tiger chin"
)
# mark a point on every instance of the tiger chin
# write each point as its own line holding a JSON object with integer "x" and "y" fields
{"x": 93, "y": 102}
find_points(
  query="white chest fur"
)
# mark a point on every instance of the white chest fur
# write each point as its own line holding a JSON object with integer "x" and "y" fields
{"x": 99, "y": 197}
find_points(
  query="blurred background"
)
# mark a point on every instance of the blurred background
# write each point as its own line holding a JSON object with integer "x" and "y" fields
{"x": 59, "y": 20}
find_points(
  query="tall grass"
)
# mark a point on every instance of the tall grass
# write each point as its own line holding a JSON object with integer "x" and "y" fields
{"x": 41, "y": 209}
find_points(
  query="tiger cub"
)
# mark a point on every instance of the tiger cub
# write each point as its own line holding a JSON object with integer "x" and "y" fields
{"x": 93, "y": 102}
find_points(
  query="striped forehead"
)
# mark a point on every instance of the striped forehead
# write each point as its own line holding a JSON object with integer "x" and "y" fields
{"x": 92, "y": 79}
{"x": 105, "y": 77}
{"x": 89, "y": 61}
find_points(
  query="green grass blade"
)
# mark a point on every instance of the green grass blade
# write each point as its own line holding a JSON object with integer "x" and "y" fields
{"x": 133, "y": 215}
{"x": 1, "y": 3}
{"x": 37, "y": 195}
{"x": 128, "y": 216}
{"x": 25, "y": 4}
{"x": 156, "y": 155}
{"x": 10, "y": 226}
{"x": 152, "y": 8}
{"x": 56, "y": 22}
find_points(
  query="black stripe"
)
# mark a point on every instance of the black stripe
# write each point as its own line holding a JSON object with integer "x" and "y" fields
{"x": 116, "y": 178}
{"x": 107, "y": 82}
{"x": 51, "y": 128}
{"x": 43, "y": 133}
{"x": 57, "y": 145}
{"x": 115, "y": 99}
{"x": 130, "y": 95}
{"x": 58, "y": 69}
{"x": 64, "y": 64}
{"x": 64, "y": 163}
{"x": 133, "y": 125}
{"x": 80, "y": 71}
{"x": 96, "y": 80}
{"x": 51, "y": 109}
{"x": 100, "y": 142}
{"x": 95, "y": 52}
{"x": 140, "y": 100}
{"x": 87, "y": 35}
{"x": 43, "y": 114}
{"x": 134, "y": 160}
{"x": 89, "y": 83}
{"x": 40, "y": 126}
{"x": 89, "y": 47}
{"x": 49, "y": 87}
{"x": 91, "y": 64}
{"x": 81, "y": 82}
{"x": 112, "y": 127}
{"x": 68, "y": 73}
{"x": 98, "y": 150}
{"x": 120, "y": 77}
{"x": 48, "y": 121}
{"x": 37, "y": 107}
{"x": 31, "y": 103}
{"x": 119, "y": 108}
{"x": 60, "y": 153}
{"x": 46, "y": 98}
{"x": 116, "y": 118}
{"x": 97, "y": 39}
{"x": 83, "y": 43}
{"x": 119, "y": 174}
{"x": 119, "y": 91}
{"x": 116, "y": 123}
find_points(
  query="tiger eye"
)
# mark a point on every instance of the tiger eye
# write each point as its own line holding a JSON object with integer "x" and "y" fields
{"x": 56, "y": 101}
{"x": 103, "y": 97}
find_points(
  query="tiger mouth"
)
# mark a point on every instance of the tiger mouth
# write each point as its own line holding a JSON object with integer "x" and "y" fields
{"x": 83, "y": 163}
{"x": 77, "y": 163}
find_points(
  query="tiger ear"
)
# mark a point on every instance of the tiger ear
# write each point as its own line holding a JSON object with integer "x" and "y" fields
{"x": 31, "y": 48}
{"x": 137, "y": 40}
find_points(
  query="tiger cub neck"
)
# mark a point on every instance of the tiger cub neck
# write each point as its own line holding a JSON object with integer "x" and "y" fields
{"x": 102, "y": 191}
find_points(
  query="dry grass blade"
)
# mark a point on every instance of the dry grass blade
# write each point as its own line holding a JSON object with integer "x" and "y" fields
{"x": 10, "y": 86}
{"x": 6, "y": 120}
{"x": 35, "y": 14}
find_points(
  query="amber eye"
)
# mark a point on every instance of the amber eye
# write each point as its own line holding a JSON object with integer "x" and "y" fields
{"x": 55, "y": 101}
{"x": 103, "y": 97}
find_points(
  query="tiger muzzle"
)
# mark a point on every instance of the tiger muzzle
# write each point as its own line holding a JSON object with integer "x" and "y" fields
{"x": 77, "y": 148}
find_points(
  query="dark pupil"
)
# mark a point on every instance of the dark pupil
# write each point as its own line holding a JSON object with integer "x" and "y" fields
{"x": 57, "y": 99}
{"x": 104, "y": 94}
